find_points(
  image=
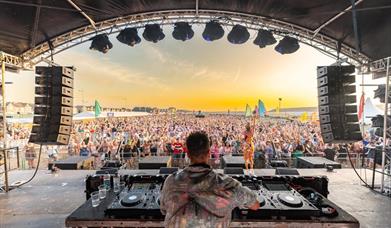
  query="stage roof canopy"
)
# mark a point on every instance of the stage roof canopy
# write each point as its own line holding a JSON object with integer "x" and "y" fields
{"x": 25, "y": 24}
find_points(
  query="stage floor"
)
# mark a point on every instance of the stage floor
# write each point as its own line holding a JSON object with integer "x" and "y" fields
{"x": 50, "y": 198}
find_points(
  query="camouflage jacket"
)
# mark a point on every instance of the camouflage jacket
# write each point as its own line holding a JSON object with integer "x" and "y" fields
{"x": 200, "y": 197}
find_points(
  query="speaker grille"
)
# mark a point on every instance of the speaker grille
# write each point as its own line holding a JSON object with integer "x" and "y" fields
{"x": 337, "y": 104}
{"x": 53, "y": 109}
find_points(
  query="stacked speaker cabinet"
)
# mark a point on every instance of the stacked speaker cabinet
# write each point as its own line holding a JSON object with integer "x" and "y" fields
{"x": 53, "y": 110}
{"x": 378, "y": 120}
{"x": 337, "y": 104}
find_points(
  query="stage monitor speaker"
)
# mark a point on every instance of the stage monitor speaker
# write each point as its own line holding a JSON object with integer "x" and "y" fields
{"x": 278, "y": 163}
{"x": 337, "y": 104}
{"x": 112, "y": 164}
{"x": 233, "y": 170}
{"x": 110, "y": 171}
{"x": 287, "y": 172}
{"x": 168, "y": 170}
{"x": 53, "y": 108}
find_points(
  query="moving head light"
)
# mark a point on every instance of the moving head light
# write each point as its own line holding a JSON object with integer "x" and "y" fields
{"x": 101, "y": 43}
{"x": 182, "y": 31}
{"x": 153, "y": 33}
{"x": 213, "y": 31}
{"x": 264, "y": 38}
{"x": 287, "y": 45}
{"x": 238, "y": 35}
{"x": 129, "y": 37}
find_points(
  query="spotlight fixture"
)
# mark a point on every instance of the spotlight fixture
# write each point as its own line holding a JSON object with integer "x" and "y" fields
{"x": 101, "y": 43}
{"x": 213, "y": 31}
{"x": 129, "y": 36}
{"x": 182, "y": 31}
{"x": 380, "y": 92}
{"x": 264, "y": 38}
{"x": 287, "y": 45}
{"x": 238, "y": 35}
{"x": 153, "y": 33}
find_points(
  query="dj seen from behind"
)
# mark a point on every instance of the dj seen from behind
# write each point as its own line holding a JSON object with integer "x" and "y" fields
{"x": 198, "y": 196}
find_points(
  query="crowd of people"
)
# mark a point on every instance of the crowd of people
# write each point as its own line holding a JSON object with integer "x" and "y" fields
{"x": 165, "y": 135}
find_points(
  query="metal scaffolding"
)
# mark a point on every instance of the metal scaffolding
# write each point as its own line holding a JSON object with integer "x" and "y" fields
{"x": 315, "y": 38}
{"x": 386, "y": 129}
{"x": 4, "y": 111}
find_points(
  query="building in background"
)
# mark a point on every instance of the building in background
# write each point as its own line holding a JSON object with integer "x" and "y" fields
{"x": 19, "y": 108}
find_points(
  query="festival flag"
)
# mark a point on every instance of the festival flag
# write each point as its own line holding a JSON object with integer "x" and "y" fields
{"x": 361, "y": 107}
{"x": 262, "y": 109}
{"x": 248, "y": 111}
{"x": 256, "y": 111}
{"x": 97, "y": 109}
{"x": 303, "y": 117}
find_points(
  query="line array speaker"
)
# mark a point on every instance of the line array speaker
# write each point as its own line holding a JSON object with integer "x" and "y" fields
{"x": 53, "y": 110}
{"x": 337, "y": 104}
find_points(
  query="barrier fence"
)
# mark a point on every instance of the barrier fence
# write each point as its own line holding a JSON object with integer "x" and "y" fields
{"x": 9, "y": 160}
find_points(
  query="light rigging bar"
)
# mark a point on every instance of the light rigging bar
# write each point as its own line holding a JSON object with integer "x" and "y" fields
{"x": 92, "y": 22}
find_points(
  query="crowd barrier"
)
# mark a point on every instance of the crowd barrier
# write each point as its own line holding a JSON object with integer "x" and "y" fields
{"x": 358, "y": 160}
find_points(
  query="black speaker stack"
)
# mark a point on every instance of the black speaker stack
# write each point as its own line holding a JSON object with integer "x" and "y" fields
{"x": 53, "y": 110}
{"x": 337, "y": 104}
{"x": 378, "y": 120}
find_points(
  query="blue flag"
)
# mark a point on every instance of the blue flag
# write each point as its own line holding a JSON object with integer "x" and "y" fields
{"x": 262, "y": 109}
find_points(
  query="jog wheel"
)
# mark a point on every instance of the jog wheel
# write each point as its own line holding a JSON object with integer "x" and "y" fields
{"x": 289, "y": 200}
{"x": 132, "y": 199}
{"x": 261, "y": 200}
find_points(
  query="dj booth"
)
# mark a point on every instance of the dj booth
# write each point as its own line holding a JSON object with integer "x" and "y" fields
{"x": 286, "y": 201}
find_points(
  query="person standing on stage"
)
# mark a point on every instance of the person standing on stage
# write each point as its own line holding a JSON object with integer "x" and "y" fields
{"x": 198, "y": 196}
{"x": 248, "y": 152}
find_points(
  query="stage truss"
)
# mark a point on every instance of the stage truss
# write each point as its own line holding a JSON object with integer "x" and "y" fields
{"x": 386, "y": 130}
{"x": 316, "y": 39}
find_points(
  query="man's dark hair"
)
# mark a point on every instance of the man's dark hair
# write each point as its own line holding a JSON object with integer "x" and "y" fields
{"x": 197, "y": 144}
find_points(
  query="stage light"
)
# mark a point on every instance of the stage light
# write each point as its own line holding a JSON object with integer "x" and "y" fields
{"x": 287, "y": 45}
{"x": 153, "y": 33}
{"x": 238, "y": 35}
{"x": 213, "y": 31}
{"x": 101, "y": 43}
{"x": 129, "y": 37}
{"x": 264, "y": 38}
{"x": 182, "y": 31}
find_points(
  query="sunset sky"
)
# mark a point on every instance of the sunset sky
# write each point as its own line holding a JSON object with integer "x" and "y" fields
{"x": 195, "y": 74}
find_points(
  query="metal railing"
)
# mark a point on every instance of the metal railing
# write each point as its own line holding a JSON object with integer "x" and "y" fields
{"x": 6, "y": 163}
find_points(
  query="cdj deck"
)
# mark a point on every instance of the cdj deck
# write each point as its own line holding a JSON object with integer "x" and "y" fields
{"x": 276, "y": 198}
{"x": 282, "y": 201}
{"x": 141, "y": 200}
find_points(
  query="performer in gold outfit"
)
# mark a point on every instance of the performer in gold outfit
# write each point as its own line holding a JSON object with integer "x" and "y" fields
{"x": 248, "y": 152}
